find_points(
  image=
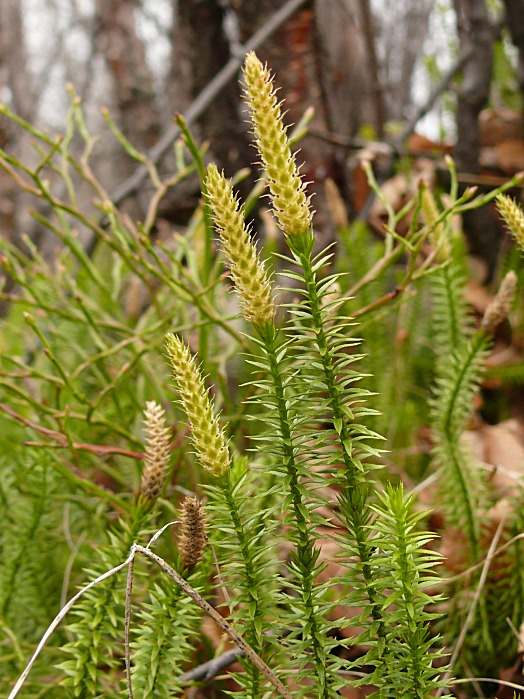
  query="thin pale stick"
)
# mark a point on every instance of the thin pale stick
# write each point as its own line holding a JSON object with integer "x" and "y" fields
{"x": 161, "y": 531}
{"x": 75, "y": 547}
{"x": 516, "y": 633}
{"x": 129, "y": 590}
{"x": 205, "y": 606}
{"x": 220, "y": 621}
{"x": 472, "y": 609}
{"x": 489, "y": 557}
{"x": 58, "y": 618}
{"x": 494, "y": 680}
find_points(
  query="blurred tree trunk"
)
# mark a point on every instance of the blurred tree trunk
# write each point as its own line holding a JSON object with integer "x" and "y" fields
{"x": 9, "y": 195}
{"x": 131, "y": 88}
{"x": 378, "y": 96}
{"x": 132, "y": 85}
{"x": 318, "y": 58}
{"x": 200, "y": 49}
{"x": 415, "y": 31}
{"x": 515, "y": 22}
{"x": 476, "y": 36}
{"x": 13, "y": 58}
{"x": 403, "y": 30}
{"x": 16, "y": 79}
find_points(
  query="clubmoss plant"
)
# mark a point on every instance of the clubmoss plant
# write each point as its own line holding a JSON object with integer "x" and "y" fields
{"x": 274, "y": 476}
{"x": 247, "y": 271}
{"x": 163, "y": 642}
{"x": 324, "y": 383}
{"x": 213, "y": 454}
{"x": 513, "y": 217}
{"x": 464, "y": 486}
{"x": 407, "y": 569}
{"x": 192, "y": 537}
{"x": 288, "y": 192}
{"x": 157, "y": 454}
{"x": 323, "y": 341}
{"x": 208, "y": 439}
{"x": 468, "y": 500}
{"x": 277, "y": 394}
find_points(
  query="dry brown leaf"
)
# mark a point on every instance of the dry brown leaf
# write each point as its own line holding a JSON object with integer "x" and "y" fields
{"x": 399, "y": 188}
{"x": 478, "y": 296}
{"x": 417, "y": 144}
{"x": 502, "y": 447}
{"x": 507, "y": 156}
{"x": 498, "y": 125}
{"x": 454, "y": 546}
{"x": 510, "y": 156}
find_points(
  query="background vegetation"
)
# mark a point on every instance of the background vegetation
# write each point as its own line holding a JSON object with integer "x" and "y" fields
{"x": 96, "y": 451}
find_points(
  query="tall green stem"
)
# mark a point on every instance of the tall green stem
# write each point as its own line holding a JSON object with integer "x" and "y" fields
{"x": 251, "y": 584}
{"x": 355, "y": 492}
{"x": 451, "y": 425}
{"x": 306, "y": 555}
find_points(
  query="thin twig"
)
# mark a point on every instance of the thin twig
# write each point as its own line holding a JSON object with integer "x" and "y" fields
{"x": 219, "y": 620}
{"x": 439, "y": 88}
{"x": 58, "y": 618}
{"x": 515, "y": 632}
{"x": 212, "y": 667}
{"x": 488, "y": 558}
{"x": 99, "y": 449}
{"x": 161, "y": 531}
{"x": 127, "y": 652}
{"x": 493, "y": 680}
{"x": 474, "y": 604}
{"x": 392, "y": 295}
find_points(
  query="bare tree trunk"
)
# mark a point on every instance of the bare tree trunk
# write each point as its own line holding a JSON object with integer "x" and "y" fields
{"x": 415, "y": 32}
{"x": 515, "y": 22}
{"x": 374, "y": 67}
{"x": 402, "y": 32}
{"x": 200, "y": 50}
{"x": 17, "y": 79}
{"x": 132, "y": 83}
{"x": 475, "y": 35}
{"x": 351, "y": 78}
{"x": 318, "y": 58}
{"x": 13, "y": 57}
